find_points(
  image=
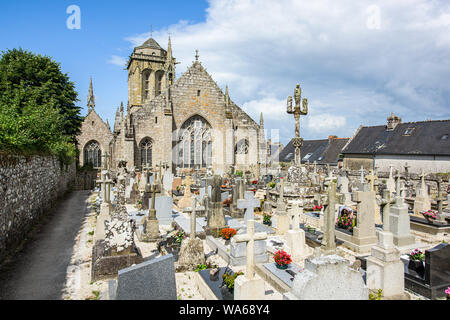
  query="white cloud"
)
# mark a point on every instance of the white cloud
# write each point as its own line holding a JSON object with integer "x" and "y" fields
{"x": 350, "y": 73}
{"x": 118, "y": 61}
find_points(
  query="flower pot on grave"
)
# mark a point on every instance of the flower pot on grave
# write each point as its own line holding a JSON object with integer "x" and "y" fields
{"x": 267, "y": 223}
{"x": 448, "y": 296}
{"x": 281, "y": 266}
{"x": 227, "y": 293}
{"x": 417, "y": 266}
{"x": 227, "y": 241}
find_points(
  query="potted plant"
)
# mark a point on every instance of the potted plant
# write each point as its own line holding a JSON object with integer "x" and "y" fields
{"x": 416, "y": 259}
{"x": 447, "y": 292}
{"x": 317, "y": 208}
{"x": 346, "y": 222}
{"x": 227, "y": 234}
{"x": 227, "y": 287}
{"x": 267, "y": 219}
{"x": 179, "y": 236}
{"x": 271, "y": 184}
{"x": 430, "y": 215}
{"x": 282, "y": 259}
{"x": 311, "y": 229}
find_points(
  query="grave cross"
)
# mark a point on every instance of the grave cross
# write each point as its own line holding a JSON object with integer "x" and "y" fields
{"x": 398, "y": 190}
{"x": 105, "y": 158}
{"x": 362, "y": 174}
{"x": 249, "y": 203}
{"x": 371, "y": 179}
{"x": 152, "y": 210}
{"x": 385, "y": 204}
{"x": 300, "y": 109}
{"x": 295, "y": 213}
{"x": 187, "y": 183}
{"x": 250, "y": 238}
{"x": 193, "y": 217}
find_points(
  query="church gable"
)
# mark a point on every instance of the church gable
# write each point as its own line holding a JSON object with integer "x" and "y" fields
{"x": 93, "y": 128}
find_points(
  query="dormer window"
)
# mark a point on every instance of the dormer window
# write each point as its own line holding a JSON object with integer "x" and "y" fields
{"x": 307, "y": 156}
{"x": 444, "y": 137}
{"x": 408, "y": 131}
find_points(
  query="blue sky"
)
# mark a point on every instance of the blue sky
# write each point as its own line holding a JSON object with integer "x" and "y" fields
{"x": 357, "y": 61}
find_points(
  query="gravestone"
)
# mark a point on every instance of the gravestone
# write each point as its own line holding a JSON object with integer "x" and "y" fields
{"x": 163, "y": 206}
{"x": 296, "y": 237}
{"x": 150, "y": 280}
{"x": 328, "y": 278}
{"x": 214, "y": 207}
{"x": 437, "y": 273}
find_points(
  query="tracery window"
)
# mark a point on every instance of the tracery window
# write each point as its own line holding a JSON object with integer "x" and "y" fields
{"x": 93, "y": 154}
{"x": 146, "y": 147}
{"x": 195, "y": 144}
{"x": 242, "y": 147}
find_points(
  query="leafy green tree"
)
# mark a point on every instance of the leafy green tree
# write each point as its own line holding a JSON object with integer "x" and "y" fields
{"x": 37, "y": 106}
{"x": 26, "y": 77}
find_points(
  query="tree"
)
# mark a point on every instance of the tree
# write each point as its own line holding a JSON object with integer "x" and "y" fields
{"x": 26, "y": 77}
{"x": 37, "y": 106}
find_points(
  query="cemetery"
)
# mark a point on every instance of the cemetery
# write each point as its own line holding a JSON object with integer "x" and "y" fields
{"x": 183, "y": 198}
{"x": 304, "y": 233}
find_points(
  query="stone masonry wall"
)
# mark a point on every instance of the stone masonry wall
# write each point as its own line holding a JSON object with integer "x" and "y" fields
{"x": 28, "y": 188}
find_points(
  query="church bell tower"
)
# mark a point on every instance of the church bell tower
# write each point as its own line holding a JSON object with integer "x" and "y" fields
{"x": 151, "y": 70}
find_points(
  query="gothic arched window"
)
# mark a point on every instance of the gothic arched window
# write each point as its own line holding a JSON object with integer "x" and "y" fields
{"x": 146, "y": 85}
{"x": 195, "y": 144}
{"x": 242, "y": 147}
{"x": 93, "y": 154}
{"x": 158, "y": 82}
{"x": 146, "y": 147}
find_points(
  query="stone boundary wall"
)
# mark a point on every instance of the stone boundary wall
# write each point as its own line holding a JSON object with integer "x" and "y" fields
{"x": 29, "y": 187}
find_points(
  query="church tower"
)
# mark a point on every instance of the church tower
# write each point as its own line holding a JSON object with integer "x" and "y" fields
{"x": 151, "y": 70}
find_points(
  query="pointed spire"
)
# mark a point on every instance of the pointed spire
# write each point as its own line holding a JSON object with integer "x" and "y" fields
{"x": 121, "y": 111}
{"x": 261, "y": 121}
{"x": 196, "y": 55}
{"x": 227, "y": 96}
{"x": 169, "y": 51}
{"x": 91, "y": 97}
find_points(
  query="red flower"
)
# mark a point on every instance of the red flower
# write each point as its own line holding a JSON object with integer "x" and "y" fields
{"x": 227, "y": 233}
{"x": 282, "y": 258}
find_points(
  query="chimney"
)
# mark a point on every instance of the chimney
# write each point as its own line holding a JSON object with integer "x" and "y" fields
{"x": 392, "y": 122}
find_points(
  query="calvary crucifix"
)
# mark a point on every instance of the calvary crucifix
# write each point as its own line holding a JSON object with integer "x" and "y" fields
{"x": 297, "y": 111}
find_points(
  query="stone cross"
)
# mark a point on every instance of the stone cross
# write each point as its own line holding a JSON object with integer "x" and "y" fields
{"x": 105, "y": 158}
{"x": 152, "y": 210}
{"x": 362, "y": 174}
{"x": 249, "y": 203}
{"x": 407, "y": 169}
{"x": 329, "y": 242}
{"x": 187, "y": 183}
{"x": 385, "y": 204}
{"x": 315, "y": 166}
{"x": 371, "y": 179}
{"x": 295, "y": 213}
{"x": 193, "y": 218}
{"x": 297, "y": 111}
{"x": 250, "y": 237}
{"x": 398, "y": 191}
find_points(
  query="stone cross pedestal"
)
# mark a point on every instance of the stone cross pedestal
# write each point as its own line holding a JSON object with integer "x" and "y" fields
{"x": 186, "y": 200}
{"x": 192, "y": 252}
{"x": 399, "y": 220}
{"x": 150, "y": 225}
{"x": 296, "y": 237}
{"x": 250, "y": 286}
{"x": 249, "y": 203}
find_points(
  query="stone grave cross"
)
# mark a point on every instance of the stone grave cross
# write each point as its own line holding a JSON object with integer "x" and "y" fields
{"x": 188, "y": 182}
{"x": 193, "y": 217}
{"x": 371, "y": 179}
{"x": 250, "y": 237}
{"x": 249, "y": 203}
{"x": 295, "y": 213}
{"x": 385, "y": 204}
{"x": 329, "y": 242}
{"x": 152, "y": 210}
{"x": 362, "y": 174}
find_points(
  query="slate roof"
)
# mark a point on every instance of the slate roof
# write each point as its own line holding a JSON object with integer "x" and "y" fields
{"x": 425, "y": 138}
{"x": 322, "y": 151}
{"x": 150, "y": 43}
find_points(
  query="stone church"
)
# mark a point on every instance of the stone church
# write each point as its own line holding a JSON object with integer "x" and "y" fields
{"x": 186, "y": 123}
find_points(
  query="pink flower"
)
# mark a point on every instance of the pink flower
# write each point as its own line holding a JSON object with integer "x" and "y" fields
{"x": 447, "y": 291}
